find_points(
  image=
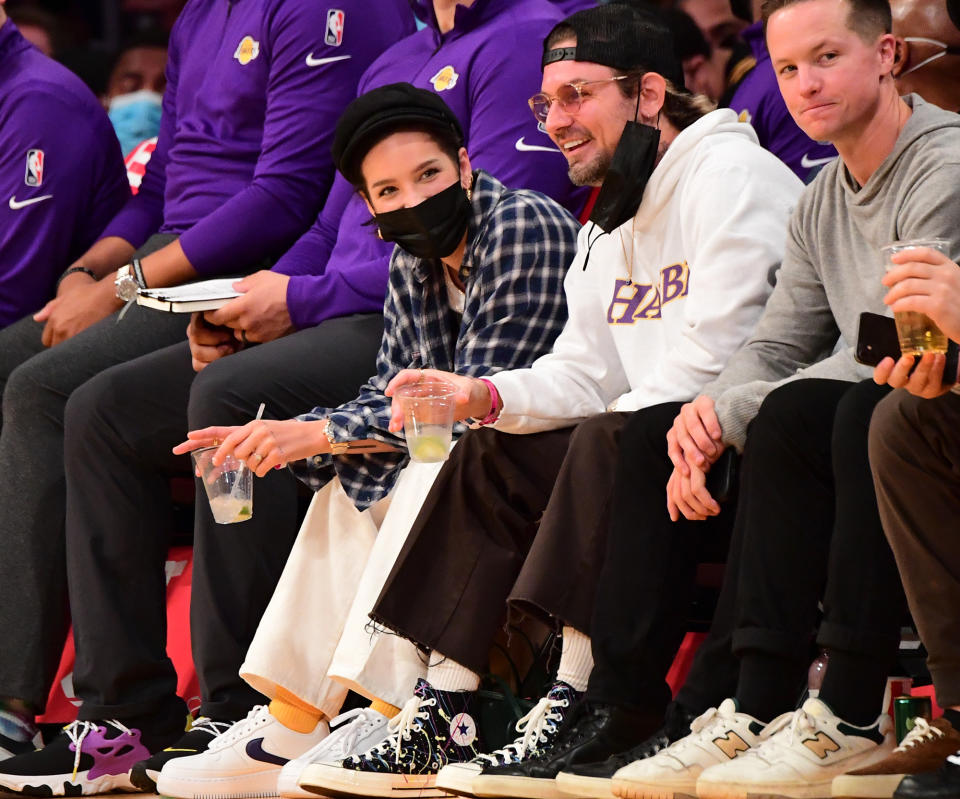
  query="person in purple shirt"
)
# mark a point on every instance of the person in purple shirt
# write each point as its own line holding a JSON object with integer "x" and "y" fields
{"x": 317, "y": 318}
{"x": 759, "y": 102}
{"x": 241, "y": 169}
{"x": 61, "y": 173}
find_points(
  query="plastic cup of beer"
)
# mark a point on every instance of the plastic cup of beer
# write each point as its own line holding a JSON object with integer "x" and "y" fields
{"x": 917, "y": 332}
{"x": 229, "y": 486}
{"x": 427, "y": 419}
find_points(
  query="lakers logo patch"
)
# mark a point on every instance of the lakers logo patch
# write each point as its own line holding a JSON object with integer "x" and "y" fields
{"x": 744, "y": 116}
{"x": 34, "y": 173}
{"x": 463, "y": 729}
{"x": 335, "y": 20}
{"x": 247, "y": 50}
{"x": 445, "y": 79}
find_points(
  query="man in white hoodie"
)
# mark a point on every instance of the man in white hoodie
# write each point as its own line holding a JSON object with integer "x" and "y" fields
{"x": 656, "y": 304}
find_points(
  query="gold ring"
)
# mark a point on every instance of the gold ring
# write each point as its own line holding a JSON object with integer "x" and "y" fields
{"x": 258, "y": 456}
{"x": 217, "y": 442}
{"x": 421, "y": 376}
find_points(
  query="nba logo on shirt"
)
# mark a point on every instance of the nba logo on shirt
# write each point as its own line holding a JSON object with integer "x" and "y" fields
{"x": 34, "y": 176}
{"x": 334, "y": 35}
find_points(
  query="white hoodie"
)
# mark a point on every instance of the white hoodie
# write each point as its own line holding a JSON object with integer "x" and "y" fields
{"x": 704, "y": 247}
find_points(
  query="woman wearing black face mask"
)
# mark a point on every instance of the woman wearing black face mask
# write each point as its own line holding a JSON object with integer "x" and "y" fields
{"x": 475, "y": 287}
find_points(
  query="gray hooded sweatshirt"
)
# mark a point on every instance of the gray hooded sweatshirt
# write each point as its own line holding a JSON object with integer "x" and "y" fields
{"x": 832, "y": 268}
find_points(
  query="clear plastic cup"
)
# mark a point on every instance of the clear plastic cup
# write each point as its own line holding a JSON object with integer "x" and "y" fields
{"x": 427, "y": 419}
{"x": 917, "y": 332}
{"x": 229, "y": 486}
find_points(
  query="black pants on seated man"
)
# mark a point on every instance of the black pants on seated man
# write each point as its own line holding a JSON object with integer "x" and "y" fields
{"x": 121, "y": 427}
{"x": 805, "y": 529}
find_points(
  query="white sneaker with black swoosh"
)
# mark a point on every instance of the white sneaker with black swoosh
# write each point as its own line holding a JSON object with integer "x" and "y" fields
{"x": 242, "y": 763}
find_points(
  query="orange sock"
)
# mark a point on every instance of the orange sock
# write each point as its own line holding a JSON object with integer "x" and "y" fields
{"x": 293, "y": 713}
{"x": 382, "y": 707}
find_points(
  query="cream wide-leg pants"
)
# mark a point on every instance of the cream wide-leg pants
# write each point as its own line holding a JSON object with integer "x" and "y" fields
{"x": 315, "y": 638}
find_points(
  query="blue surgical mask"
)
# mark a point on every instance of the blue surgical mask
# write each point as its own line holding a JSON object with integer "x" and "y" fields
{"x": 135, "y": 117}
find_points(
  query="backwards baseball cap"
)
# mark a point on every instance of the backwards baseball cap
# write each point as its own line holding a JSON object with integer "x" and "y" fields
{"x": 620, "y": 36}
{"x": 376, "y": 114}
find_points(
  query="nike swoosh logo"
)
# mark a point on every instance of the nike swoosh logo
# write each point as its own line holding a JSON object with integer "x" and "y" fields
{"x": 523, "y": 147}
{"x": 316, "y": 62}
{"x": 16, "y": 205}
{"x": 256, "y": 752}
{"x": 809, "y": 163}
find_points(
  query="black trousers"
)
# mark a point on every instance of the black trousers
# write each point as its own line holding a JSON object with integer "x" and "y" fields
{"x": 647, "y": 581}
{"x": 120, "y": 428}
{"x": 511, "y": 519}
{"x": 36, "y": 382}
{"x": 807, "y": 530}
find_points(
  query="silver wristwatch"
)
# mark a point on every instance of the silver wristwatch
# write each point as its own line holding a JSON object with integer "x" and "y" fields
{"x": 126, "y": 284}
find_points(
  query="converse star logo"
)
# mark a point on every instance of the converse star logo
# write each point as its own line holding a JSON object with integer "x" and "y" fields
{"x": 16, "y": 205}
{"x": 445, "y": 79}
{"x": 463, "y": 729}
{"x": 247, "y": 50}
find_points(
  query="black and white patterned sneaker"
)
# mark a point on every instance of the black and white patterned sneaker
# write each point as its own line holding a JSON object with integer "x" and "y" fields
{"x": 435, "y": 728}
{"x": 17, "y": 735}
{"x": 87, "y": 757}
{"x": 195, "y": 740}
{"x": 538, "y": 731}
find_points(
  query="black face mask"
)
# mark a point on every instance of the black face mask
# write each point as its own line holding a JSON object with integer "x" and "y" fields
{"x": 432, "y": 229}
{"x": 630, "y": 168}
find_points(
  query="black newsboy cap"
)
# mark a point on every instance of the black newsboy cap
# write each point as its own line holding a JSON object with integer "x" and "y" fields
{"x": 378, "y": 112}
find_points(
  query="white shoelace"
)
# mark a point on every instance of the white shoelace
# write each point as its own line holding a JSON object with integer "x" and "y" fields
{"x": 257, "y": 717}
{"x": 362, "y": 720}
{"x": 208, "y": 725}
{"x": 78, "y": 730}
{"x": 400, "y": 727}
{"x": 922, "y": 731}
{"x": 542, "y": 717}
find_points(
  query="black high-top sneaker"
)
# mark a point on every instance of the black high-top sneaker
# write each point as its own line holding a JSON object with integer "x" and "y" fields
{"x": 538, "y": 730}
{"x": 591, "y": 732}
{"x": 434, "y": 728}
{"x": 195, "y": 740}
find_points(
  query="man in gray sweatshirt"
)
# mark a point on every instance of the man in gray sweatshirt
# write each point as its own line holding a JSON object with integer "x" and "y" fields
{"x": 797, "y": 405}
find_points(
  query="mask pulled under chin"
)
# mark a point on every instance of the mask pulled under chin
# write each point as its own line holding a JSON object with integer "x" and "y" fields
{"x": 630, "y": 168}
{"x": 432, "y": 229}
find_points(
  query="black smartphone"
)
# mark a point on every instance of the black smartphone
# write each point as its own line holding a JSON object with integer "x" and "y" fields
{"x": 877, "y": 339}
{"x": 723, "y": 477}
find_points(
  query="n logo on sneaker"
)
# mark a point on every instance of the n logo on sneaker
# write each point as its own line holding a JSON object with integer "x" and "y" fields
{"x": 822, "y": 745}
{"x": 256, "y": 751}
{"x": 731, "y": 744}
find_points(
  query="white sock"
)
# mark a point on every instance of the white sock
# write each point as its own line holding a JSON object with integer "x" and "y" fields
{"x": 576, "y": 659}
{"x": 445, "y": 674}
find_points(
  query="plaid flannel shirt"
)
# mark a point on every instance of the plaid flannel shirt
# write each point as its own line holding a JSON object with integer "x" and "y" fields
{"x": 519, "y": 244}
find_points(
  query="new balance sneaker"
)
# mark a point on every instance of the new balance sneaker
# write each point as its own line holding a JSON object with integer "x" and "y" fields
{"x": 538, "y": 731}
{"x": 944, "y": 783}
{"x": 592, "y": 732}
{"x": 195, "y": 740}
{"x": 87, "y": 757}
{"x": 433, "y": 729}
{"x": 923, "y": 749}
{"x": 351, "y": 733}
{"x": 717, "y": 736}
{"x": 17, "y": 735}
{"x": 799, "y": 756}
{"x": 595, "y": 780}
{"x": 242, "y": 763}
